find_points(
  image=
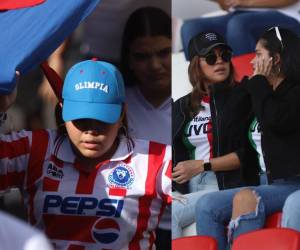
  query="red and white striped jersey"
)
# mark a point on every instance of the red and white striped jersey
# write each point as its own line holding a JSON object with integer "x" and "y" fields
{"x": 116, "y": 206}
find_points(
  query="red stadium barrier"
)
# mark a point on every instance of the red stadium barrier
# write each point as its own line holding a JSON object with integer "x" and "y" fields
{"x": 194, "y": 243}
{"x": 268, "y": 239}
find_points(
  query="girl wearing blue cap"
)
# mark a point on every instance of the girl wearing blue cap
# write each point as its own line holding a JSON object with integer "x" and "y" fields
{"x": 88, "y": 185}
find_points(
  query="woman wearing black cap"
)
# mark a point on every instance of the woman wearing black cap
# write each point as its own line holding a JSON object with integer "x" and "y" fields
{"x": 205, "y": 134}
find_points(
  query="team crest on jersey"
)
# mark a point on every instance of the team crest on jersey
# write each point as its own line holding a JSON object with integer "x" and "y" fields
{"x": 121, "y": 176}
{"x": 54, "y": 171}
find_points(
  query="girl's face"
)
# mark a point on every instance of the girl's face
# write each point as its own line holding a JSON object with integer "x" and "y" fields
{"x": 150, "y": 61}
{"x": 218, "y": 71}
{"x": 261, "y": 54}
{"x": 91, "y": 138}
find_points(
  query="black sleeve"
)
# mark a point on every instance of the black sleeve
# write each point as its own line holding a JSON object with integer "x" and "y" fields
{"x": 276, "y": 110}
{"x": 242, "y": 117}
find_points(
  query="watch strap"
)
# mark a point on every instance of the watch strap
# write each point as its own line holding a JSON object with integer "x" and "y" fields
{"x": 207, "y": 166}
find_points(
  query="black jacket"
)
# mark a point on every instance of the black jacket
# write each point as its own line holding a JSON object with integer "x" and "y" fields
{"x": 278, "y": 113}
{"x": 226, "y": 131}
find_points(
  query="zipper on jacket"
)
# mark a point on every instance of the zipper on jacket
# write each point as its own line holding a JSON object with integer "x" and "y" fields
{"x": 217, "y": 123}
{"x": 179, "y": 127}
{"x": 217, "y": 127}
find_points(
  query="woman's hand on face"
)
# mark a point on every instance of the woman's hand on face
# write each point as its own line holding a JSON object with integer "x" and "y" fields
{"x": 7, "y": 100}
{"x": 185, "y": 170}
{"x": 263, "y": 67}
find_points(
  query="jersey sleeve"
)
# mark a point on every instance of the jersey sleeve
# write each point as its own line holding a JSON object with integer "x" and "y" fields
{"x": 14, "y": 156}
{"x": 164, "y": 178}
{"x": 19, "y": 152}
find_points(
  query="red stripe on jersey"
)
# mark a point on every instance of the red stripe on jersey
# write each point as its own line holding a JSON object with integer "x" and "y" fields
{"x": 11, "y": 180}
{"x": 117, "y": 191}
{"x": 57, "y": 162}
{"x": 76, "y": 247}
{"x": 69, "y": 227}
{"x": 35, "y": 166}
{"x": 86, "y": 182}
{"x": 50, "y": 185}
{"x": 210, "y": 139}
{"x": 155, "y": 160}
{"x": 14, "y": 148}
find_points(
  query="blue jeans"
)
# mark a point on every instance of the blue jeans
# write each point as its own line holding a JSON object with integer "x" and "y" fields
{"x": 203, "y": 181}
{"x": 240, "y": 28}
{"x": 183, "y": 206}
{"x": 183, "y": 210}
{"x": 214, "y": 210}
{"x": 291, "y": 211}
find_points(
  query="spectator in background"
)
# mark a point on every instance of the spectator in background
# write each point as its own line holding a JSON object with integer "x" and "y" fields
{"x": 102, "y": 30}
{"x": 246, "y": 20}
{"x": 146, "y": 64}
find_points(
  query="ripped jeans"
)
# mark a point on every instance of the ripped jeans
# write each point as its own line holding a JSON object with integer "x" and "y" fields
{"x": 214, "y": 210}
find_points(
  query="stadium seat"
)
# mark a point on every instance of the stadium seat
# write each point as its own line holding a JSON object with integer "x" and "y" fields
{"x": 194, "y": 243}
{"x": 274, "y": 220}
{"x": 242, "y": 65}
{"x": 268, "y": 239}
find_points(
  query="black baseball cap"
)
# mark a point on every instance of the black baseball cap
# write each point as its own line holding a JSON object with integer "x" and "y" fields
{"x": 202, "y": 43}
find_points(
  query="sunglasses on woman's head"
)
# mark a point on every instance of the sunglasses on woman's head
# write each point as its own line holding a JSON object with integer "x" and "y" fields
{"x": 277, "y": 32}
{"x": 211, "y": 57}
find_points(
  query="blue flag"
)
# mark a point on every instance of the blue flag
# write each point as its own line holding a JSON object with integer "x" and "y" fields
{"x": 29, "y": 35}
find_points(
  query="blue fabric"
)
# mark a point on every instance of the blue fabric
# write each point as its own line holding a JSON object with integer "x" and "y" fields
{"x": 240, "y": 28}
{"x": 28, "y": 36}
{"x": 93, "y": 90}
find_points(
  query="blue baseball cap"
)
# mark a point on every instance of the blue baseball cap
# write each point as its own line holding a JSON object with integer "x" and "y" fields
{"x": 93, "y": 90}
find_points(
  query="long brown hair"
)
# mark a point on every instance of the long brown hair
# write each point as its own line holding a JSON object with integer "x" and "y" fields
{"x": 196, "y": 78}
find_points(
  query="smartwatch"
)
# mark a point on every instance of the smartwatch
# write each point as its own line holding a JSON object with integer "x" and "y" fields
{"x": 207, "y": 165}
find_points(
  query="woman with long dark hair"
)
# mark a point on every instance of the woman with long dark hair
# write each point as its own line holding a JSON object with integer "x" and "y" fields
{"x": 273, "y": 131}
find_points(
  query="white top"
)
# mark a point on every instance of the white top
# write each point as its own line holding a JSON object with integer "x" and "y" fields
{"x": 198, "y": 134}
{"x": 116, "y": 206}
{"x": 198, "y": 139}
{"x": 254, "y": 135}
{"x": 17, "y": 235}
{"x": 145, "y": 121}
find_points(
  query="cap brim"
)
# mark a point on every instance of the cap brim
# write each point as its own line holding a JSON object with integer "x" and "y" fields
{"x": 206, "y": 50}
{"x": 109, "y": 113}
